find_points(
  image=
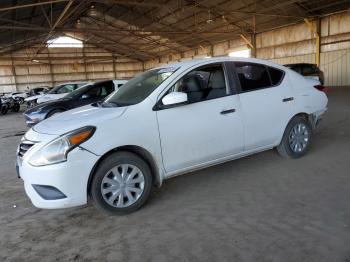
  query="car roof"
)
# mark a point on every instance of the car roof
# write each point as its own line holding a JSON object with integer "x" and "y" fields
{"x": 194, "y": 62}
{"x": 70, "y": 83}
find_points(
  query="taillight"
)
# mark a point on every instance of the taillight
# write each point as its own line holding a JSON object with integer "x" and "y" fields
{"x": 321, "y": 88}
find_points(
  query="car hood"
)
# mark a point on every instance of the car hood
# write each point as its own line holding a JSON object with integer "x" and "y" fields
{"x": 43, "y": 107}
{"x": 77, "y": 118}
{"x": 49, "y": 97}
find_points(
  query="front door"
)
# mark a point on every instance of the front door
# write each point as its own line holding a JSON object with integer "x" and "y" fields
{"x": 209, "y": 127}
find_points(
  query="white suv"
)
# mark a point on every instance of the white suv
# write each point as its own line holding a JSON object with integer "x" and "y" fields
{"x": 165, "y": 122}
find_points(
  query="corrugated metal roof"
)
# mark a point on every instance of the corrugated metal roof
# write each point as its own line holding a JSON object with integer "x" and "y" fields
{"x": 143, "y": 30}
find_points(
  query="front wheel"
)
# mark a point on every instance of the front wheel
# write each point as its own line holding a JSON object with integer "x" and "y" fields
{"x": 296, "y": 138}
{"x": 4, "y": 110}
{"x": 121, "y": 184}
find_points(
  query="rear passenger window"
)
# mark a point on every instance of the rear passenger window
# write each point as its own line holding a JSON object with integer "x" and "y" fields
{"x": 276, "y": 76}
{"x": 252, "y": 76}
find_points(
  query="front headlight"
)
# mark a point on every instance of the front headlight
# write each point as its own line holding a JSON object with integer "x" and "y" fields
{"x": 56, "y": 151}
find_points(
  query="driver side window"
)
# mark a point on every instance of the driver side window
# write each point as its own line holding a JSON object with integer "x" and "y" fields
{"x": 202, "y": 84}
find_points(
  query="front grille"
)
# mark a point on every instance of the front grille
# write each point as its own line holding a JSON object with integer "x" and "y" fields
{"x": 24, "y": 147}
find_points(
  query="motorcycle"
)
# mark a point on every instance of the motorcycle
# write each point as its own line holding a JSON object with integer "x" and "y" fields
{"x": 9, "y": 103}
{"x": 4, "y": 106}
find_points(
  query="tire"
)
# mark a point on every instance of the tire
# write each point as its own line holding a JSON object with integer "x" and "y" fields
{"x": 296, "y": 139}
{"x": 4, "y": 110}
{"x": 106, "y": 195}
{"x": 54, "y": 112}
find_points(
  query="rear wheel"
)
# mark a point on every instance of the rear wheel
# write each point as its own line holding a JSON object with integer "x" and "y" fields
{"x": 296, "y": 138}
{"x": 121, "y": 184}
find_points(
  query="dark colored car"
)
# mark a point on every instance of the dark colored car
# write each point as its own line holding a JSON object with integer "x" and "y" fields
{"x": 84, "y": 95}
{"x": 308, "y": 70}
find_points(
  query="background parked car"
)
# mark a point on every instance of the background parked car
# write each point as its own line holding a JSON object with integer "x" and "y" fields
{"x": 59, "y": 92}
{"x": 84, "y": 95}
{"x": 39, "y": 90}
{"x": 34, "y": 94}
{"x": 308, "y": 70}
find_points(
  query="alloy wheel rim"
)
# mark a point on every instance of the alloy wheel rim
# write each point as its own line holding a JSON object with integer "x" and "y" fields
{"x": 122, "y": 185}
{"x": 299, "y": 138}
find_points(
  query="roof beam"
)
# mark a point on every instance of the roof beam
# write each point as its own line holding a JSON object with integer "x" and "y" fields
{"x": 58, "y": 21}
{"x": 117, "y": 52}
{"x": 151, "y": 21}
{"x": 46, "y": 16}
{"x": 129, "y": 3}
{"x": 139, "y": 36}
{"x": 2, "y": 9}
{"x": 123, "y": 46}
{"x": 153, "y": 32}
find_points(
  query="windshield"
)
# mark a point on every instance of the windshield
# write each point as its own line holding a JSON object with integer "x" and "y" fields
{"x": 53, "y": 90}
{"x": 140, "y": 87}
{"x": 78, "y": 92}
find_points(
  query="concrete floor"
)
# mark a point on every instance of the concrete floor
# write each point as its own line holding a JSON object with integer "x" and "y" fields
{"x": 260, "y": 208}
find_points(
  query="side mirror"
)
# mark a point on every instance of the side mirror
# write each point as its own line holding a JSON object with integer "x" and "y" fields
{"x": 174, "y": 98}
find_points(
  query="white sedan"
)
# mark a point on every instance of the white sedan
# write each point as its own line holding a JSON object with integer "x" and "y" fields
{"x": 167, "y": 121}
{"x": 59, "y": 92}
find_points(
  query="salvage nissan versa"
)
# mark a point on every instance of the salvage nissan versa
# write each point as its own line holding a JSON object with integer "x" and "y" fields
{"x": 165, "y": 122}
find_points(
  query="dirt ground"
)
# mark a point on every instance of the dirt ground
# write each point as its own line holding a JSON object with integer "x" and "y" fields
{"x": 260, "y": 208}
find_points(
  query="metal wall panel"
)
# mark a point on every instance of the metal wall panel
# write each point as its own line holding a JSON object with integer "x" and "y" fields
{"x": 293, "y": 44}
{"x": 309, "y": 58}
{"x": 58, "y": 65}
{"x": 336, "y": 67}
{"x": 334, "y": 64}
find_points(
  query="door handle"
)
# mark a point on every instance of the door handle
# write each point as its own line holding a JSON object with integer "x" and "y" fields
{"x": 287, "y": 99}
{"x": 228, "y": 111}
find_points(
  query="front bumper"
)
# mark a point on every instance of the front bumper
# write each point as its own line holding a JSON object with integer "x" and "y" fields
{"x": 69, "y": 178}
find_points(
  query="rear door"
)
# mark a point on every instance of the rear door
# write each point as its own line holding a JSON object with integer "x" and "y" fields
{"x": 267, "y": 100}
